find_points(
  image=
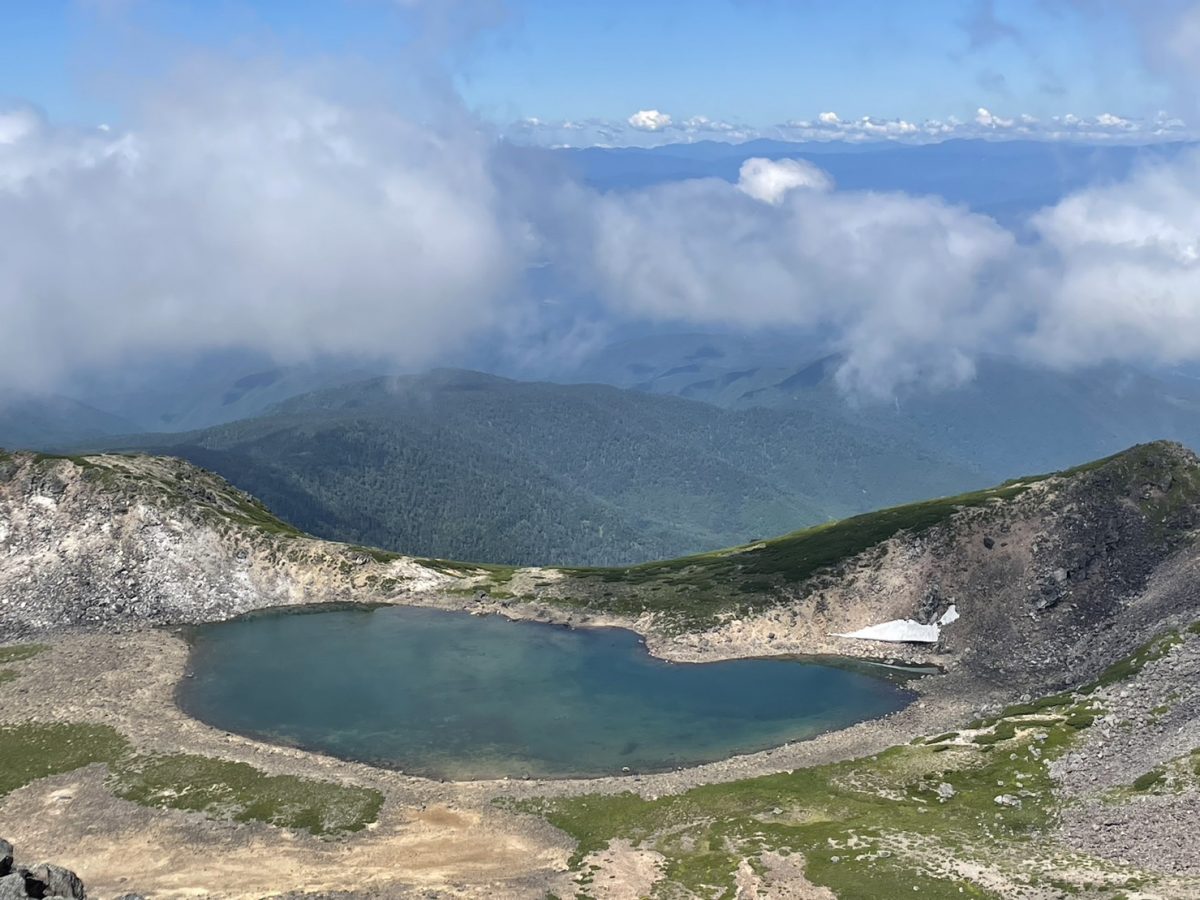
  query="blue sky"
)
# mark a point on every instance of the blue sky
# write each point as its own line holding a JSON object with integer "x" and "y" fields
{"x": 747, "y": 64}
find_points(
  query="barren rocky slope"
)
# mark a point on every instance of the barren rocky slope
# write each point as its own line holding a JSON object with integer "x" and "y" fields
{"x": 106, "y": 541}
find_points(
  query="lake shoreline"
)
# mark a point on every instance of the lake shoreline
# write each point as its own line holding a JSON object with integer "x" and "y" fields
{"x": 139, "y": 700}
{"x": 127, "y": 679}
{"x": 577, "y": 702}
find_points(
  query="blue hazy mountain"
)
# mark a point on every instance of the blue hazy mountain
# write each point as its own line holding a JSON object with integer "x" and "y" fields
{"x": 39, "y": 421}
{"x": 1010, "y": 418}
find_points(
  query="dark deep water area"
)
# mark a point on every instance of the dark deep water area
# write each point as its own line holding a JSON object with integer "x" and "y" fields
{"x": 457, "y": 696}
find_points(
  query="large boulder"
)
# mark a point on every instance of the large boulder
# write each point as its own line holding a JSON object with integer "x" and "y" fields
{"x": 55, "y": 881}
{"x": 6, "y": 857}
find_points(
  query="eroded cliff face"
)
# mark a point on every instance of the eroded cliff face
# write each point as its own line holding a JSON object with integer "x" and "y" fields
{"x": 110, "y": 540}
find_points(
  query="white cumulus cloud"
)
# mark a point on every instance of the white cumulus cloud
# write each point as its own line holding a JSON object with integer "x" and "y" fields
{"x": 247, "y": 209}
{"x": 912, "y": 287}
{"x": 985, "y": 118}
{"x": 770, "y": 180}
{"x": 1123, "y": 270}
{"x": 649, "y": 120}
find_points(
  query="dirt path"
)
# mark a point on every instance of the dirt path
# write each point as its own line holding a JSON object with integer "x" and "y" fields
{"x": 116, "y": 846}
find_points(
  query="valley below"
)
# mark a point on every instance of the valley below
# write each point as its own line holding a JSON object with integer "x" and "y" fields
{"x": 1055, "y": 755}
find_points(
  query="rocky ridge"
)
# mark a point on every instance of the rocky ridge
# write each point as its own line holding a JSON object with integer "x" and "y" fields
{"x": 104, "y": 542}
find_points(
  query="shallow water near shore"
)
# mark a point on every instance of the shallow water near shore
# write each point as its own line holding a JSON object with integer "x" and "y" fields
{"x": 456, "y": 696}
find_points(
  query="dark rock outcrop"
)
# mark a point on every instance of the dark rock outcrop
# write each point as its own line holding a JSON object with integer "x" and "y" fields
{"x": 55, "y": 881}
{"x": 44, "y": 881}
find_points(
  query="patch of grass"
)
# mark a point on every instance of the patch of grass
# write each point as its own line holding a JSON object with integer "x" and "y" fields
{"x": 839, "y": 816}
{"x": 380, "y": 556}
{"x": 1175, "y": 775}
{"x": 31, "y": 751}
{"x": 18, "y": 652}
{"x": 490, "y": 577}
{"x": 237, "y": 791}
{"x": 948, "y": 736}
{"x": 1052, "y": 701}
{"x": 245, "y": 510}
{"x": 1149, "y": 780}
{"x": 1006, "y": 729}
{"x": 218, "y": 788}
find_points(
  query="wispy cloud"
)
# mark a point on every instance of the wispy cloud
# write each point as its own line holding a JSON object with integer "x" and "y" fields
{"x": 984, "y": 28}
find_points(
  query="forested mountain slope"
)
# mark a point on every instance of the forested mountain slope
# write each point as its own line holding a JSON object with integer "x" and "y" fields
{"x": 463, "y": 465}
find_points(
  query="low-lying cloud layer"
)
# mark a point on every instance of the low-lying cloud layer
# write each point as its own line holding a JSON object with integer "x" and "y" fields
{"x": 260, "y": 209}
{"x": 1123, "y": 280}
{"x": 915, "y": 289}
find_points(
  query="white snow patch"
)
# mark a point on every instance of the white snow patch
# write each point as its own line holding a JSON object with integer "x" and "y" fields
{"x": 905, "y": 631}
{"x": 43, "y": 502}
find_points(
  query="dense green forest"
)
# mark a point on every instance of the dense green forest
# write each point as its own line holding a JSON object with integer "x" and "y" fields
{"x": 464, "y": 465}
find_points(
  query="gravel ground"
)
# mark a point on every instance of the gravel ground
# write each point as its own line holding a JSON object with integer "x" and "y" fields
{"x": 1150, "y": 720}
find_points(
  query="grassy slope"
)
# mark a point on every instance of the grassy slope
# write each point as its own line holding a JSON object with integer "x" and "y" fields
{"x": 875, "y": 827}
{"x": 219, "y": 788}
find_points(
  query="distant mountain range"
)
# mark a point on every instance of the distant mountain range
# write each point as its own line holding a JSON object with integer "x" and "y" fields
{"x": 42, "y": 421}
{"x": 1010, "y": 418}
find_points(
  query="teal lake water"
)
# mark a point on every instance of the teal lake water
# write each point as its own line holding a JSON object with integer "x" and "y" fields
{"x": 462, "y": 697}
